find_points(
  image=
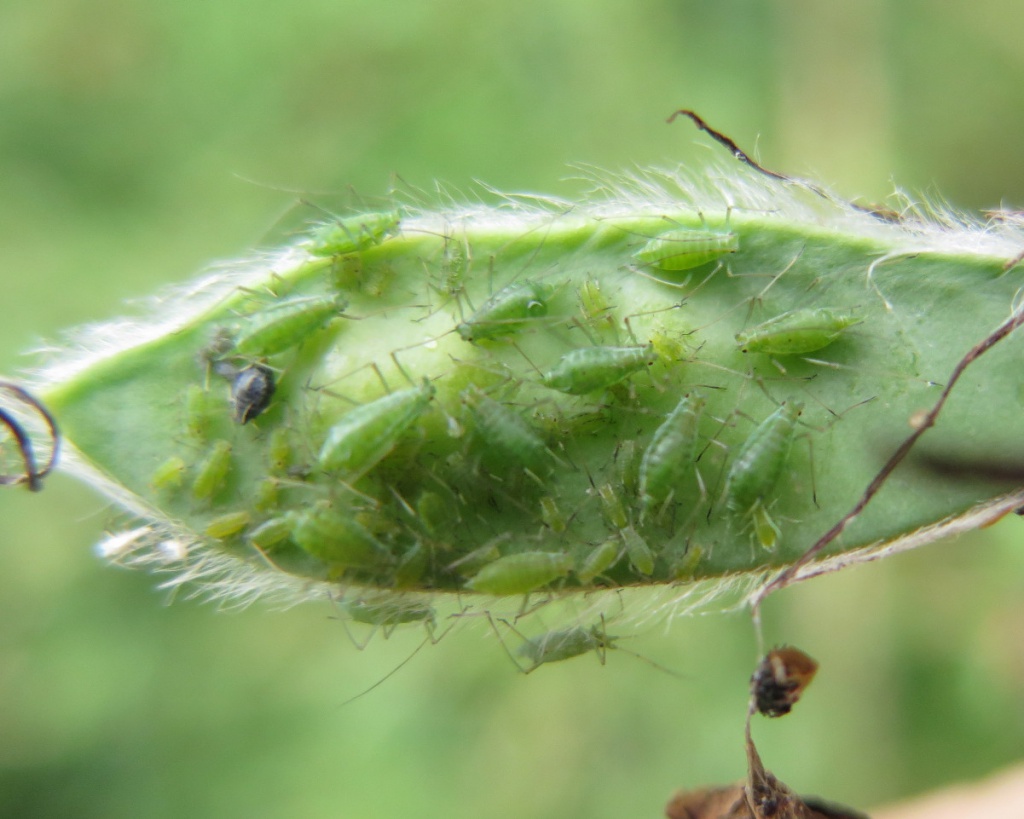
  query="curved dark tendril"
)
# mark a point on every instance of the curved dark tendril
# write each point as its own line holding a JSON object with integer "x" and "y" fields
{"x": 879, "y": 213}
{"x": 33, "y": 476}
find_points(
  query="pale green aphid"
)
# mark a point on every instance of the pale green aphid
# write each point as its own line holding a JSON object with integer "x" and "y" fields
{"x": 552, "y": 516}
{"x": 509, "y": 310}
{"x": 564, "y": 644}
{"x": 502, "y": 430}
{"x": 521, "y": 573}
{"x": 685, "y": 248}
{"x": 354, "y": 233}
{"x": 228, "y": 525}
{"x": 285, "y": 324}
{"x": 590, "y": 369}
{"x": 411, "y": 566}
{"x": 213, "y": 471}
{"x": 169, "y": 475}
{"x": 599, "y": 560}
{"x": 761, "y": 459}
{"x": 366, "y": 434}
{"x": 198, "y": 411}
{"x": 387, "y": 610}
{"x": 640, "y": 555}
{"x": 333, "y": 536}
{"x": 272, "y": 532}
{"x": 670, "y": 454}
{"x": 280, "y": 451}
{"x": 797, "y": 332}
{"x": 266, "y": 495}
{"x": 611, "y": 505}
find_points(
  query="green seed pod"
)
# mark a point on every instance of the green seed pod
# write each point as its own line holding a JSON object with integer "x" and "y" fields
{"x": 365, "y": 435}
{"x": 506, "y": 312}
{"x": 520, "y": 573}
{"x": 590, "y": 369}
{"x": 797, "y": 332}
{"x": 685, "y": 248}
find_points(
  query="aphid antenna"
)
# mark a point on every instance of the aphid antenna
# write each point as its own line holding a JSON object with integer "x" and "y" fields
{"x": 869, "y": 276}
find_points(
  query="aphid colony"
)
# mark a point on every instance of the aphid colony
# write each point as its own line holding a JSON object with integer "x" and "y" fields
{"x": 453, "y": 478}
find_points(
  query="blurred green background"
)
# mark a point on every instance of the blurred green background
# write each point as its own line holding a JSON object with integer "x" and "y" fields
{"x": 140, "y": 140}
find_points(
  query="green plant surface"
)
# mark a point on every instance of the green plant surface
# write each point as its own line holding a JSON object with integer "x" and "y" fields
{"x": 457, "y": 388}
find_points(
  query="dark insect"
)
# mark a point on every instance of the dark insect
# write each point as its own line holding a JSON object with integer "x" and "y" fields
{"x": 780, "y": 679}
{"x": 251, "y": 392}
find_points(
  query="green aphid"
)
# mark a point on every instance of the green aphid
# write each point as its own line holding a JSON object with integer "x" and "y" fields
{"x": 797, "y": 332}
{"x": 434, "y": 513}
{"x": 199, "y": 411}
{"x": 285, "y": 324}
{"x": 366, "y": 434}
{"x": 169, "y": 475}
{"x": 760, "y": 461}
{"x": 685, "y": 567}
{"x": 611, "y": 505}
{"x": 228, "y": 525}
{"x": 590, "y": 369}
{"x": 272, "y": 532}
{"x": 411, "y": 566}
{"x": 509, "y": 310}
{"x": 506, "y": 434}
{"x": 564, "y": 644}
{"x": 670, "y": 455}
{"x": 354, "y": 233}
{"x": 334, "y": 536}
{"x": 640, "y": 555}
{"x": 552, "y": 516}
{"x": 387, "y": 610}
{"x": 686, "y": 248}
{"x": 280, "y": 451}
{"x": 266, "y": 495}
{"x": 521, "y": 573}
{"x": 212, "y": 472}
{"x": 600, "y": 560}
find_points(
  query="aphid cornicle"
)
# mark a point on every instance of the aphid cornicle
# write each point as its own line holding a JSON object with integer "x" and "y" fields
{"x": 509, "y": 310}
{"x": 590, "y": 369}
{"x": 251, "y": 392}
{"x": 334, "y": 536}
{"x": 797, "y": 332}
{"x": 285, "y": 324}
{"x": 780, "y": 679}
{"x": 366, "y": 434}
{"x": 686, "y": 248}
{"x": 354, "y": 233}
{"x": 520, "y": 573}
{"x": 761, "y": 459}
{"x": 670, "y": 455}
